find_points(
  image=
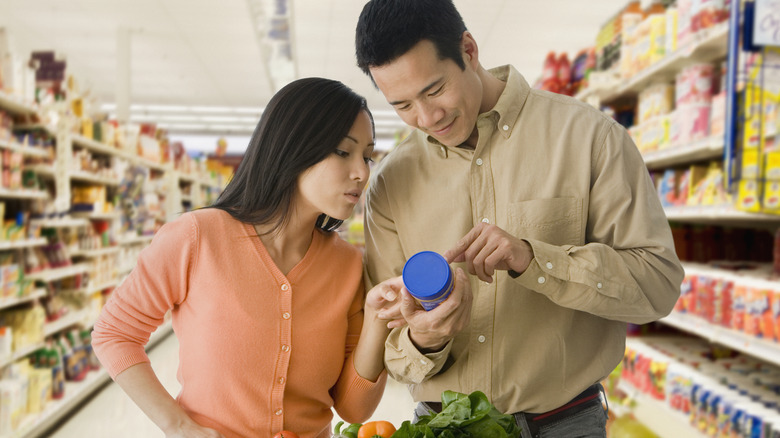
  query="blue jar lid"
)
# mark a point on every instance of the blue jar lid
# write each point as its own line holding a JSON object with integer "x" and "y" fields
{"x": 427, "y": 275}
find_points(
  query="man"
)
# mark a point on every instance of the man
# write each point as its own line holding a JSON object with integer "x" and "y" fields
{"x": 543, "y": 199}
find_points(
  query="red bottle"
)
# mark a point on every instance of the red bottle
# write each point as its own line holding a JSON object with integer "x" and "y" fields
{"x": 564, "y": 74}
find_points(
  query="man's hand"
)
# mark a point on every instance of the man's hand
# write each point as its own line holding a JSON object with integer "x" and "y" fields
{"x": 487, "y": 248}
{"x": 384, "y": 300}
{"x": 431, "y": 330}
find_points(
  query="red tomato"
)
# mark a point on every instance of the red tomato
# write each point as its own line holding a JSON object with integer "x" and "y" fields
{"x": 285, "y": 434}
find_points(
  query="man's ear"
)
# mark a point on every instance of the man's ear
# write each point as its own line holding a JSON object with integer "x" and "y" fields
{"x": 470, "y": 50}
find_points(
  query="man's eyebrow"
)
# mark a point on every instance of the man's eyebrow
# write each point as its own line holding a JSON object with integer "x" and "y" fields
{"x": 423, "y": 91}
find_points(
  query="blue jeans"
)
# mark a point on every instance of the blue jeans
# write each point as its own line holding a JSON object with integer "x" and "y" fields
{"x": 588, "y": 423}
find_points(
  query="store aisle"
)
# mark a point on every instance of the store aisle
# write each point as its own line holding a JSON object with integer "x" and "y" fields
{"x": 111, "y": 413}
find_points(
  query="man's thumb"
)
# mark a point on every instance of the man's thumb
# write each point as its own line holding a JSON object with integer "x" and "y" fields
{"x": 408, "y": 304}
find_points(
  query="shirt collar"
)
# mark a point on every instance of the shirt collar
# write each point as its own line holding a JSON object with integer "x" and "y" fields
{"x": 512, "y": 100}
{"x": 509, "y": 104}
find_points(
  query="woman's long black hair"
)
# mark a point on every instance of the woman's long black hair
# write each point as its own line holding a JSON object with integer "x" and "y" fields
{"x": 302, "y": 124}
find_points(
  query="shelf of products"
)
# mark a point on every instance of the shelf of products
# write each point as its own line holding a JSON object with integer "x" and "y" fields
{"x": 55, "y": 274}
{"x": 766, "y": 350}
{"x": 705, "y": 46}
{"x": 8, "y": 302}
{"x": 80, "y": 198}
{"x": 75, "y": 393}
{"x": 719, "y": 214}
{"x": 666, "y": 74}
{"x": 707, "y": 149}
{"x": 12, "y": 104}
{"x": 648, "y": 410}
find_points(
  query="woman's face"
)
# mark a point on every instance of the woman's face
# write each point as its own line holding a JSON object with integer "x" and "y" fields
{"x": 334, "y": 185}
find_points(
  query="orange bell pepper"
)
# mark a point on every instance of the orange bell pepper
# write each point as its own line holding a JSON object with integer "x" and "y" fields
{"x": 383, "y": 429}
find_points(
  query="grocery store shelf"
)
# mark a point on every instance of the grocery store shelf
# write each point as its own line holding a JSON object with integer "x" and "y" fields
{"x": 8, "y": 302}
{"x": 28, "y": 151}
{"x": 42, "y": 169}
{"x": 13, "y": 105}
{"x": 707, "y": 149}
{"x": 707, "y": 45}
{"x": 96, "y": 146}
{"x": 721, "y": 215}
{"x": 26, "y": 243}
{"x": 58, "y": 273}
{"x": 23, "y": 194}
{"x": 50, "y": 130}
{"x": 22, "y": 352}
{"x": 91, "y": 253}
{"x": 152, "y": 165}
{"x": 64, "y": 322}
{"x": 657, "y": 416}
{"x": 763, "y": 349}
{"x": 96, "y": 216}
{"x": 136, "y": 240}
{"x": 64, "y": 222}
{"x": 83, "y": 176}
{"x": 75, "y": 394}
{"x": 89, "y": 290}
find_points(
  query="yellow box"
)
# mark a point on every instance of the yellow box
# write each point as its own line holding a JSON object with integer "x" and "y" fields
{"x": 749, "y": 196}
{"x": 657, "y": 37}
{"x": 697, "y": 174}
{"x": 771, "y": 198}
{"x": 750, "y": 164}
{"x": 772, "y": 165}
{"x": 86, "y": 127}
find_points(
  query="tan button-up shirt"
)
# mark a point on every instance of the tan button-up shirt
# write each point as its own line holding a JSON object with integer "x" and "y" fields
{"x": 567, "y": 179}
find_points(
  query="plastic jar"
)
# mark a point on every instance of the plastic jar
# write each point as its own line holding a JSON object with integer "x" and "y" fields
{"x": 428, "y": 278}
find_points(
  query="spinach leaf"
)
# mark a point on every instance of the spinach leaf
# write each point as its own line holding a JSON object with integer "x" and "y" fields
{"x": 462, "y": 416}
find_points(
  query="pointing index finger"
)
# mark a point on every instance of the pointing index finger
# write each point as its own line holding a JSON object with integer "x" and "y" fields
{"x": 455, "y": 254}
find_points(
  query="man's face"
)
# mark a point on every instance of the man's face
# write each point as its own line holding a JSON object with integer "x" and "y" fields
{"x": 431, "y": 94}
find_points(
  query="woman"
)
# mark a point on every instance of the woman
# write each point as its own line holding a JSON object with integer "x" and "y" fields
{"x": 267, "y": 302}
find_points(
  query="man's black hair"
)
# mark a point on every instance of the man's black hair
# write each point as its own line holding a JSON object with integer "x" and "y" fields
{"x": 388, "y": 29}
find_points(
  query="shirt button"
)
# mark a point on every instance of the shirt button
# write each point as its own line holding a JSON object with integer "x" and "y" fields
{"x": 423, "y": 361}
{"x": 506, "y": 127}
{"x": 598, "y": 285}
{"x": 481, "y": 338}
{"x": 285, "y": 348}
{"x": 541, "y": 280}
{"x": 285, "y": 287}
{"x": 549, "y": 265}
{"x": 485, "y": 220}
{"x": 278, "y": 412}
{"x": 281, "y": 380}
{"x": 479, "y": 161}
{"x": 286, "y": 315}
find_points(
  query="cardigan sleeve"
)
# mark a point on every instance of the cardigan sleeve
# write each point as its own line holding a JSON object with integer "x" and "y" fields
{"x": 138, "y": 306}
{"x": 354, "y": 397}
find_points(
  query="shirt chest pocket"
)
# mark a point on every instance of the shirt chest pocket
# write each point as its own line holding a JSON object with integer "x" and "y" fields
{"x": 557, "y": 221}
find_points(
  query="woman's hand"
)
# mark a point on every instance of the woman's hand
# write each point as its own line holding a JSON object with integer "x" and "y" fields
{"x": 384, "y": 300}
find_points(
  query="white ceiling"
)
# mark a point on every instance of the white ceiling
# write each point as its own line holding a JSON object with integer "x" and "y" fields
{"x": 206, "y": 53}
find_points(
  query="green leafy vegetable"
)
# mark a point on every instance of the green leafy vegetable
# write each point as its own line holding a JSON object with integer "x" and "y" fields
{"x": 462, "y": 416}
{"x": 351, "y": 431}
